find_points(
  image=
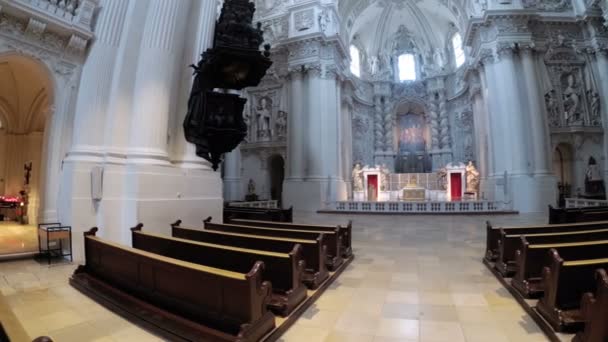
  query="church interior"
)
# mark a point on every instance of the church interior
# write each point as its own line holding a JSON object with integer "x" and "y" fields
{"x": 303, "y": 170}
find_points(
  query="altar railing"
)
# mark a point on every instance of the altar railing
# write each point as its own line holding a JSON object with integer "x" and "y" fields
{"x": 256, "y": 204}
{"x": 418, "y": 207}
{"x": 583, "y": 202}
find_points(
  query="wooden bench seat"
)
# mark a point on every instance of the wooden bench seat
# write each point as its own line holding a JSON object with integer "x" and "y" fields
{"x": 565, "y": 282}
{"x": 313, "y": 253}
{"x": 572, "y": 215}
{"x": 493, "y": 233}
{"x": 283, "y": 270}
{"x": 332, "y": 239}
{"x": 180, "y": 300}
{"x": 531, "y": 256}
{"x": 509, "y": 242}
{"x": 345, "y": 231}
{"x": 594, "y": 309}
{"x": 266, "y": 214}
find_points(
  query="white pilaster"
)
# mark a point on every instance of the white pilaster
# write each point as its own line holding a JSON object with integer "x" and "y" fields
{"x": 535, "y": 114}
{"x": 232, "y": 176}
{"x": 156, "y": 80}
{"x": 94, "y": 94}
{"x": 201, "y": 33}
{"x": 602, "y": 67}
{"x": 296, "y": 128}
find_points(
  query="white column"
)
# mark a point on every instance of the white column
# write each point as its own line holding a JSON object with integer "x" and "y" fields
{"x": 96, "y": 82}
{"x": 232, "y": 175}
{"x": 499, "y": 160}
{"x": 296, "y": 128}
{"x": 201, "y": 33}
{"x": 511, "y": 112}
{"x": 602, "y": 67}
{"x": 535, "y": 114}
{"x": 315, "y": 120}
{"x": 478, "y": 115}
{"x": 156, "y": 80}
{"x": 487, "y": 147}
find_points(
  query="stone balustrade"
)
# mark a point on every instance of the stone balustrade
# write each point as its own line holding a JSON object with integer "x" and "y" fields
{"x": 73, "y": 18}
{"x": 583, "y": 202}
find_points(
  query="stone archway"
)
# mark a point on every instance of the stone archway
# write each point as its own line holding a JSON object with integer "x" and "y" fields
{"x": 27, "y": 95}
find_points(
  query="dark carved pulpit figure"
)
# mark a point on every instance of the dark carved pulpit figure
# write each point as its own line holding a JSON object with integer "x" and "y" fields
{"x": 214, "y": 122}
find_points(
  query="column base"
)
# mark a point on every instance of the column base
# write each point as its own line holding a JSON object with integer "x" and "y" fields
{"x": 310, "y": 195}
{"x": 153, "y": 195}
{"x": 532, "y": 194}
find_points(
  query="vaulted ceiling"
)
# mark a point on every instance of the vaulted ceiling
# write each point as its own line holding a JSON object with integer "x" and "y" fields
{"x": 25, "y": 95}
{"x": 377, "y": 24}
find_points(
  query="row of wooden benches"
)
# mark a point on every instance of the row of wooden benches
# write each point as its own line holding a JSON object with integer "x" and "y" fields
{"x": 262, "y": 214}
{"x": 216, "y": 283}
{"x": 555, "y": 263}
{"x": 574, "y": 215}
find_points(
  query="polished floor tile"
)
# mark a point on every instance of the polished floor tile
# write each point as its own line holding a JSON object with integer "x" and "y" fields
{"x": 414, "y": 278}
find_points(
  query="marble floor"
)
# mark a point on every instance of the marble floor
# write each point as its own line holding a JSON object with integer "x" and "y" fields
{"x": 16, "y": 238}
{"x": 414, "y": 278}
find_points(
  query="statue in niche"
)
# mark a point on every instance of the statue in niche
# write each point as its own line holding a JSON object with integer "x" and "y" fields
{"x": 594, "y": 185}
{"x": 324, "y": 21}
{"x": 358, "y": 178}
{"x": 281, "y": 124}
{"x": 472, "y": 178}
{"x": 251, "y": 195}
{"x": 571, "y": 100}
{"x": 373, "y": 65}
{"x": 247, "y": 120}
{"x": 264, "y": 115}
{"x": 384, "y": 178}
{"x": 27, "y": 168}
{"x": 552, "y": 108}
{"x": 594, "y": 107}
{"x": 442, "y": 178}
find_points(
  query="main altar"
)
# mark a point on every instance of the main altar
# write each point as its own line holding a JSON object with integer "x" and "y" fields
{"x": 450, "y": 190}
{"x": 455, "y": 182}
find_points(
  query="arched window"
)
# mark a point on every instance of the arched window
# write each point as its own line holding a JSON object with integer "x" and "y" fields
{"x": 407, "y": 67}
{"x": 459, "y": 57}
{"x": 355, "y": 61}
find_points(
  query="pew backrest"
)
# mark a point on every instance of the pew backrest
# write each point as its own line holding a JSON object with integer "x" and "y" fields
{"x": 220, "y": 299}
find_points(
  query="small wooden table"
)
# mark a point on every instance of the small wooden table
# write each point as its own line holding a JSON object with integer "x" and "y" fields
{"x": 49, "y": 234}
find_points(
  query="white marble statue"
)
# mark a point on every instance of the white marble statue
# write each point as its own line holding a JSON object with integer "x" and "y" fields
{"x": 472, "y": 178}
{"x": 552, "y": 108}
{"x": 593, "y": 173}
{"x": 358, "y": 178}
{"x": 281, "y": 124}
{"x": 594, "y": 107}
{"x": 571, "y": 100}
{"x": 263, "y": 115}
{"x": 384, "y": 178}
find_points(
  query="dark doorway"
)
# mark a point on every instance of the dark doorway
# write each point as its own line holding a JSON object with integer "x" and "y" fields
{"x": 276, "y": 165}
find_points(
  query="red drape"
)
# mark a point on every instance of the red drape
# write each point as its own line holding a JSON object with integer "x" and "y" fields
{"x": 456, "y": 190}
{"x": 372, "y": 180}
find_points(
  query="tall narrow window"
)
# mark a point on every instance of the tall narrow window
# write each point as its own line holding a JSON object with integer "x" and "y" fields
{"x": 459, "y": 57}
{"x": 355, "y": 61}
{"x": 407, "y": 67}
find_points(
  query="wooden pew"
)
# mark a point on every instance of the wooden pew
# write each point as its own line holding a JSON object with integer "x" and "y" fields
{"x": 332, "y": 239}
{"x": 565, "y": 282}
{"x": 594, "y": 309}
{"x": 509, "y": 243}
{"x": 179, "y": 300}
{"x": 493, "y": 233}
{"x": 283, "y": 270}
{"x": 573, "y": 215}
{"x": 531, "y": 256}
{"x": 345, "y": 232}
{"x": 266, "y": 214}
{"x": 313, "y": 251}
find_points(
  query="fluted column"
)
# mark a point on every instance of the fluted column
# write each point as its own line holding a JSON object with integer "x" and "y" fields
{"x": 315, "y": 120}
{"x": 161, "y": 46}
{"x": 602, "y": 67}
{"x": 232, "y": 175}
{"x": 511, "y": 111}
{"x": 296, "y": 127}
{"x": 535, "y": 114}
{"x": 96, "y": 82}
{"x": 486, "y": 124}
{"x": 201, "y": 33}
